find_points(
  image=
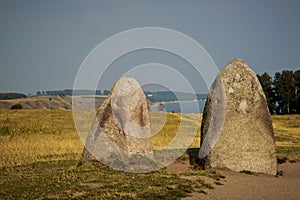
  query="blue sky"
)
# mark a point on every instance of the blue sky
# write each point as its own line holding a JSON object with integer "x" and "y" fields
{"x": 43, "y": 43}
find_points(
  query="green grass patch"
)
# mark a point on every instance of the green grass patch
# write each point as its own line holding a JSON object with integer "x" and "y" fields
{"x": 279, "y": 173}
{"x": 247, "y": 172}
{"x": 281, "y": 160}
{"x": 212, "y": 175}
{"x": 218, "y": 183}
{"x": 65, "y": 179}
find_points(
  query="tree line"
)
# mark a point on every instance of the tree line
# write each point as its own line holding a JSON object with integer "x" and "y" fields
{"x": 70, "y": 92}
{"x": 282, "y": 91}
{"x": 8, "y": 96}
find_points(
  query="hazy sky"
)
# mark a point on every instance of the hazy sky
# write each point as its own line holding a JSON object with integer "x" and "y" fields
{"x": 43, "y": 43}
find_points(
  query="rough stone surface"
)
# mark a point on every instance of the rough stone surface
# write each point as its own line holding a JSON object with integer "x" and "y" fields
{"x": 121, "y": 132}
{"x": 237, "y": 126}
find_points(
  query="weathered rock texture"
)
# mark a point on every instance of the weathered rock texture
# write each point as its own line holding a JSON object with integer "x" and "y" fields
{"x": 121, "y": 130}
{"x": 244, "y": 137}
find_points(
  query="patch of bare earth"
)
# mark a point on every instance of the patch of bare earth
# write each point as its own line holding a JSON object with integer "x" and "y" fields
{"x": 244, "y": 186}
{"x": 179, "y": 166}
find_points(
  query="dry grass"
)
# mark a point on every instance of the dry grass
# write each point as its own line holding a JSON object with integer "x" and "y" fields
{"x": 29, "y": 136}
{"x": 166, "y": 126}
{"x": 287, "y": 136}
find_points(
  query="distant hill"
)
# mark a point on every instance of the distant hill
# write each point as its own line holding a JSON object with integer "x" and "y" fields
{"x": 7, "y": 96}
{"x": 51, "y": 102}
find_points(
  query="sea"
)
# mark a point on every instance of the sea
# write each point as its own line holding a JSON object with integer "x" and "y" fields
{"x": 179, "y": 107}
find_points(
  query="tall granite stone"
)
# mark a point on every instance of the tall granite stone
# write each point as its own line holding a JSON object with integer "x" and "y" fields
{"x": 120, "y": 134}
{"x": 237, "y": 131}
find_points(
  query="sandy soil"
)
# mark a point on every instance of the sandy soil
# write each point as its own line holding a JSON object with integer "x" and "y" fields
{"x": 244, "y": 186}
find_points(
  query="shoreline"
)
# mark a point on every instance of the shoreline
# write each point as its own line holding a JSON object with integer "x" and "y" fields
{"x": 173, "y": 102}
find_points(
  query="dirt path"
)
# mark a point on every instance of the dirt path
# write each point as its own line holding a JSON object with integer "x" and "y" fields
{"x": 244, "y": 186}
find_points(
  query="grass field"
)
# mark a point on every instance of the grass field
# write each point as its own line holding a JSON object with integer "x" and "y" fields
{"x": 287, "y": 136}
{"x": 40, "y": 151}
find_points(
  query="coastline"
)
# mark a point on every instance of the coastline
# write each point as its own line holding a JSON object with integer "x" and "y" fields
{"x": 178, "y": 101}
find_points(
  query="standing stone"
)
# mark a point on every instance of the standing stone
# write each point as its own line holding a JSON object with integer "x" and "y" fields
{"x": 120, "y": 134}
{"x": 236, "y": 131}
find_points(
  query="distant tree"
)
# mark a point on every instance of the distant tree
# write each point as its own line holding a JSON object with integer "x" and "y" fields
{"x": 106, "y": 92}
{"x": 68, "y": 92}
{"x": 266, "y": 82}
{"x": 278, "y": 97}
{"x": 285, "y": 91}
{"x": 16, "y": 106}
{"x": 98, "y": 92}
{"x": 7, "y": 96}
{"x": 297, "y": 90}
